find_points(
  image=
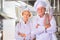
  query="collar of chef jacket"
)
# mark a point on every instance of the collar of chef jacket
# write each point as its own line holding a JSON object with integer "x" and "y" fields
{"x": 21, "y": 21}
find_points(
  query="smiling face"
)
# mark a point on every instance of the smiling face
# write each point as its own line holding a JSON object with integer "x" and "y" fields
{"x": 41, "y": 11}
{"x": 26, "y": 14}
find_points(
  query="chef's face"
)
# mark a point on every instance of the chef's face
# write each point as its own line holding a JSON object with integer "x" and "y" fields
{"x": 26, "y": 14}
{"x": 41, "y": 11}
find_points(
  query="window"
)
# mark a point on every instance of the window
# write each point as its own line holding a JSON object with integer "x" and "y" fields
{"x": 1, "y": 5}
{"x": 55, "y": 4}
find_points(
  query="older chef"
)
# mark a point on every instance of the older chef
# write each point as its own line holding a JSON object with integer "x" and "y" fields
{"x": 49, "y": 8}
{"x": 43, "y": 31}
{"x": 23, "y": 28}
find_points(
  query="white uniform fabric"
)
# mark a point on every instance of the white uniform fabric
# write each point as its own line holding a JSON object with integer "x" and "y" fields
{"x": 23, "y": 28}
{"x": 40, "y": 32}
{"x": 49, "y": 8}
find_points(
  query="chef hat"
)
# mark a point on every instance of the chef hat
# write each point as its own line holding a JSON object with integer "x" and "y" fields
{"x": 26, "y": 9}
{"x": 39, "y": 4}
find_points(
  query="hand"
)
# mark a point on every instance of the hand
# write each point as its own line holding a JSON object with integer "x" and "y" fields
{"x": 37, "y": 25}
{"x": 47, "y": 26}
{"x": 21, "y": 34}
{"x": 24, "y": 35}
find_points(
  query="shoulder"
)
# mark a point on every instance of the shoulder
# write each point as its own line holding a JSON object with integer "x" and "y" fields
{"x": 18, "y": 25}
{"x": 34, "y": 17}
{"x": 53, "y": 19}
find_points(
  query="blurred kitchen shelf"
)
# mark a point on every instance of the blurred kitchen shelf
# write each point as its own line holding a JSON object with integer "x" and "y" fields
{"x": 5, "y": 15}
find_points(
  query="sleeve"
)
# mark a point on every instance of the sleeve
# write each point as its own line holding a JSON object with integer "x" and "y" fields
{"x": 40, "y": 30}
{"x": 53, "y": 27}
{"x": 17, "y": 30}
{"x": 32, "y": 31}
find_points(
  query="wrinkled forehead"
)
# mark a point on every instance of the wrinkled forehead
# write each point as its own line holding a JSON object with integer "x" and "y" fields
{"x": 26, "y": 12}
{"x": 40, "y": 7}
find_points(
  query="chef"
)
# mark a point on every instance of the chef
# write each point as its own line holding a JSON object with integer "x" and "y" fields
{"x": 43, "y": 31}
{"x": 23, "y": 28}
{"x": 49, "y": 8}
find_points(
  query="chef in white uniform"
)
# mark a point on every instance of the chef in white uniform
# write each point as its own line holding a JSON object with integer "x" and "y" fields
{"x": 23, "y": 28}
{"x": 43, "y": 31}
{"x": 49, "y": 10}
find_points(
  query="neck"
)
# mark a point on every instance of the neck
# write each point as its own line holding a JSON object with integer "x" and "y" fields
{"x": 25, "y": 20}
{"x": 41, "y": 15}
